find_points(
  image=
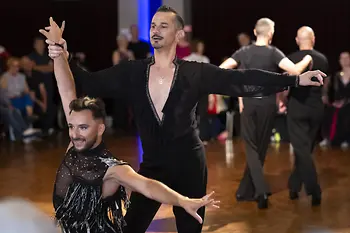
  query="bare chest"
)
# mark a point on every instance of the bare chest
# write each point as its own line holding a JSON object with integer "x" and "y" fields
{"x": 159, "y": 83}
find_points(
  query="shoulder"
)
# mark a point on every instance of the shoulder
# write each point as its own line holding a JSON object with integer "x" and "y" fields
{"x": 109, "y": 160}
{"x": 320, "y": 55}
{"x": 21, "y": 76}
{"x": 275, "y": 49}
{"x": 245, "y": 48}
{"x": 5, "y": 76}
{"x": 206, "y": 59}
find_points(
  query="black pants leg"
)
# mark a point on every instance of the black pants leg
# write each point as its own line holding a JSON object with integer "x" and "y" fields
{"x": 257, "y": 121}
{"x": 303, "y": 132}
{"x": 142, "y": 209}
{"x": 191, "y": 182}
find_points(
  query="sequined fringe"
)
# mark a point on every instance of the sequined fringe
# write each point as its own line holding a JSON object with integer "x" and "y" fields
{"x": 83, "y": 210}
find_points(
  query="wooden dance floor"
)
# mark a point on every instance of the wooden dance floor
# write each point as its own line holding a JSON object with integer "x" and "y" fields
{"x": 29, "y": 170}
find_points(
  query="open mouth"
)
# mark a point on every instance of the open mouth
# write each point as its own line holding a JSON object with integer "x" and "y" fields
{"x": 78, "y": 142}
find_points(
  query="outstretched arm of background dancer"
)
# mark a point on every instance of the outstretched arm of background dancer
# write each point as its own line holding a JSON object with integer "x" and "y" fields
{"x": 107, "y": 83}
{"x": 127, "y": 177}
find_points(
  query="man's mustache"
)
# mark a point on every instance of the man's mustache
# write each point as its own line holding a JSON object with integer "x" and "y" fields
{"x": 77, "y": 139}
{"x": 157, "y": 37}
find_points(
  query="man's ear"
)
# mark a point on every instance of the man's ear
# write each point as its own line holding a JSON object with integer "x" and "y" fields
{"x": 180, "y": 34}
{"x": 101, "y": 129}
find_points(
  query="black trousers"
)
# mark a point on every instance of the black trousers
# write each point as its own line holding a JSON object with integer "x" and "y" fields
{"x": 187, "y": 175}
{"x": 257, "y": 121}
{"x": 304, "y": 123}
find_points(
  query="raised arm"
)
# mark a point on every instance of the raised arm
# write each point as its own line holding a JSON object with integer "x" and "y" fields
{"x": 249, "y": 83}
{"x": 65, "y": 82}
{"x": 106, "y": 83}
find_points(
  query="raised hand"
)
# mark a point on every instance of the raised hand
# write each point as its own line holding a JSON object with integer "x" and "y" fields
{"x": 54, "y": 32}
{"x": 192, "y": 205}
{"x": 306, "y": 79}
{"x": 57, "y": 45}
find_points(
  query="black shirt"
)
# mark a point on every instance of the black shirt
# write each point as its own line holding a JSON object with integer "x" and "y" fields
{"x": 34, "y": 79}
{"x": 140, "y": 49}
{"x": 259, "y": 57}
{"x": 47, "y": 77}
{"x": 175, "y": 136}
{"x": 309, "y": 95}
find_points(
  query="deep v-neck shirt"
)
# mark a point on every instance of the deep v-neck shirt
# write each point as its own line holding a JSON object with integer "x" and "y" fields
{"x": 175, "y": 135}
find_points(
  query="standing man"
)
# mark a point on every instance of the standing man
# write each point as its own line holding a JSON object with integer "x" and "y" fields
{"x": 140, "y": 49}
{"x": 258, "y": 113}
{"x": 304, "y": 119}
{"x": 44, "y": 66}
{"x": 163, "y": 92}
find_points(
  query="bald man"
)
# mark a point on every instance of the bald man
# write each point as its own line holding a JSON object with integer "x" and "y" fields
{"x": 304, "y": 118}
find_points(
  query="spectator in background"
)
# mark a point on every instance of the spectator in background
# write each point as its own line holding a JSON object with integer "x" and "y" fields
{"x": 243, "y": 39}
{"x": 183, "y": 48}
{"x": 197, "y": 48}
{"x": 44, "y": 65}
{"x": 122, "y": 53}
{"x": 16, "y": 88}
{"x": 38, "y": 94}
{"x": 121, "y": 114}
{"x": 13, "y": 120}
{"x": 336, "y": 127}
{"x": 4, "y": 55}
{"x": 141, "y": 49}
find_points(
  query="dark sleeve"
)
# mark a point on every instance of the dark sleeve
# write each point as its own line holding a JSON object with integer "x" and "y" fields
{"x": 243, "y": 83}
{"x": 106, "y": 83}
{"x": 278, "y": 55}
{"x": 237, "y": 56}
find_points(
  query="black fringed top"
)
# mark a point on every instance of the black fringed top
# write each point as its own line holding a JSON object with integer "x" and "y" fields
{"x": 77, "y": 196}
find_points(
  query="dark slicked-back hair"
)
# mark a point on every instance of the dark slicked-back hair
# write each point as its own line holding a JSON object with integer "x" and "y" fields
{"x": 96, "y": 106}
{"x": 179, "y": 20}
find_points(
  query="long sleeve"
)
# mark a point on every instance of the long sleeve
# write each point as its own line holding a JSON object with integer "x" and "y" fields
{"x": 242, "y": 83}
{"x": 107, "y": 83}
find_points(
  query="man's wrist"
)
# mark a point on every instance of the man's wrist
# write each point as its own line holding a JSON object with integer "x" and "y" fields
{"x": 182, "y": 200}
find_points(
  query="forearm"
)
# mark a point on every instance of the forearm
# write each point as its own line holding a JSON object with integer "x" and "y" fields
{"x": 300, "y": 66}
{"x": 162, "y": 193}
{"x": 65, "y": 82}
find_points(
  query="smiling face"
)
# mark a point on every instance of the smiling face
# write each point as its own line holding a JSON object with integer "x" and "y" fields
{"x": 85, "y": 132}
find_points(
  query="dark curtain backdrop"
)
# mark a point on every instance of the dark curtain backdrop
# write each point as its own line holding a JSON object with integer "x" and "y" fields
{"x": 218, "y": 23}
{"x": 91, "y": 26}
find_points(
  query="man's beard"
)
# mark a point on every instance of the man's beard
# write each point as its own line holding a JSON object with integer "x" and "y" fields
{"x": 88, "y": 144}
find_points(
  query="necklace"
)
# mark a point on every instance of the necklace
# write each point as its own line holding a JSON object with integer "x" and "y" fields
{"x": 161, "y": 80}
